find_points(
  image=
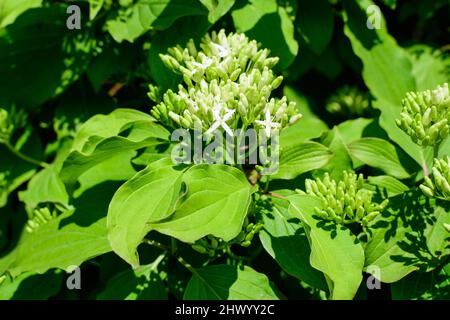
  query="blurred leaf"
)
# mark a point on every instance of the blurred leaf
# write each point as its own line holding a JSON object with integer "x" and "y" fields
{"x": 144, "y": 15}
{"x": 217, "y": 8}
{"x": 114, "y": 59}
{"x": 195, "y": 27}
{"x": 13, "y": 170}
{"x": 269, "y": 24}
{"x": 31, "y": 286}
{"x": 94, "y": 8}
{"x": 225, "y": 282}
{"x": 38, "y": 43}
{"x": 315, "y": 23}
{"x": 430, "y": 67}
{"x": 390, "y": 3}
{"x": 11, "y": 9}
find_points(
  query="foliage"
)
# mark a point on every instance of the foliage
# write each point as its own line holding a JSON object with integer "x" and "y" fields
{"x": 357, "y": 117}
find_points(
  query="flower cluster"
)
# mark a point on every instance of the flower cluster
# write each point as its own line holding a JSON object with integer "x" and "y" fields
{"x": 438, "y": 185}
{"x": 227, "y": 85}
{"x": 349, "y": 101}
{"x": 345, "y": 201}
{"x": 426, "y": 115}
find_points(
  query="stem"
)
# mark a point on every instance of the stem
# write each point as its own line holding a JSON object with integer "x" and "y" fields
{"x": 169, "y": 250}
{"x": 266, "y": 185}
{"x": 435, "y": 151}
{"x": 25, "y": 157}
{"x": 276, "y": 195}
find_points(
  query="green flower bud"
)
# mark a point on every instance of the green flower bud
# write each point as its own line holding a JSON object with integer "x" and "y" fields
{"x": 349, "y": 101}
{"x": 425, "y": 116}
{"x": 199, "y": 248}
{"x": 438, "y": 183}
{"x": 246, "y": 244}
{"x": 345, "y": 201}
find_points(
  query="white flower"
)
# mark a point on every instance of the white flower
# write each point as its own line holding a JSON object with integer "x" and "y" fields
{"x": 204, "y": 64}
{"x": 223, "y": 51}
{"x": 221, "y": 121}
{"x": 440, "y": 94}
{"x": 268, "y": 124}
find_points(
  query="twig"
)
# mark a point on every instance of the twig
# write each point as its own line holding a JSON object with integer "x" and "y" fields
{"x": 25, "y": 157}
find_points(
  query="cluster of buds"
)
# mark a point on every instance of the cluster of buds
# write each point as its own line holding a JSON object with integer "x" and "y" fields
{"x": 426, "y": 116}
{"x": 6, "y": 126}
{"x": 438, "y": 186}
{"x": 247, "y": 234}
{"x": 209, "y": 245}
{"x": 345, "y": 201}
{"x": 40, "y": 217}
{"x": 227, "y": 85}
{"x": 349, "y": 101}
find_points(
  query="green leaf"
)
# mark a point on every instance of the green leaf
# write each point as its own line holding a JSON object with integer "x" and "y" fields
{"x": 304, "y": 130}
{"x": 430, "y": 67}
{"x": 142, "y": 283}
{"x": 117, "y": 168}
{"x": 284, "y": 239}
{"x": 59, "y": 57}
{"x": 341, "y": 160}
{"x": 11, "y": 9}
{"x": 31, "y": 286}
{"x": 46, "y": 186}
{"x": 388, "y": 82}
{"x": 381, "y": 154}
{"x": 70, "y": 239}
{"x": 388, "y": 184}
{"x": 422, "y": 286}
{"x": 315, "y": 23}
{"x": 94, "y": 8}
{"x": 225, "y": 282}
{"x": 15, "y": 171}
{"x": 390, "y": 3}
{"x": 301, "y": 100}
{"x": 144, "y": 15}
{"x": 149, "y": 196}
{"x": 410, "y": 235}
{"x": 352, "y": 130}
{"x": 334, "y": 249}
{"x": 106, "y": 126}
{"x": 102, "y": 137}
{"x": 216, "y": 203}
{"x": 217, "y": 9}
{"x": 300, "y": 158}
{"x": 259, "y": 18}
